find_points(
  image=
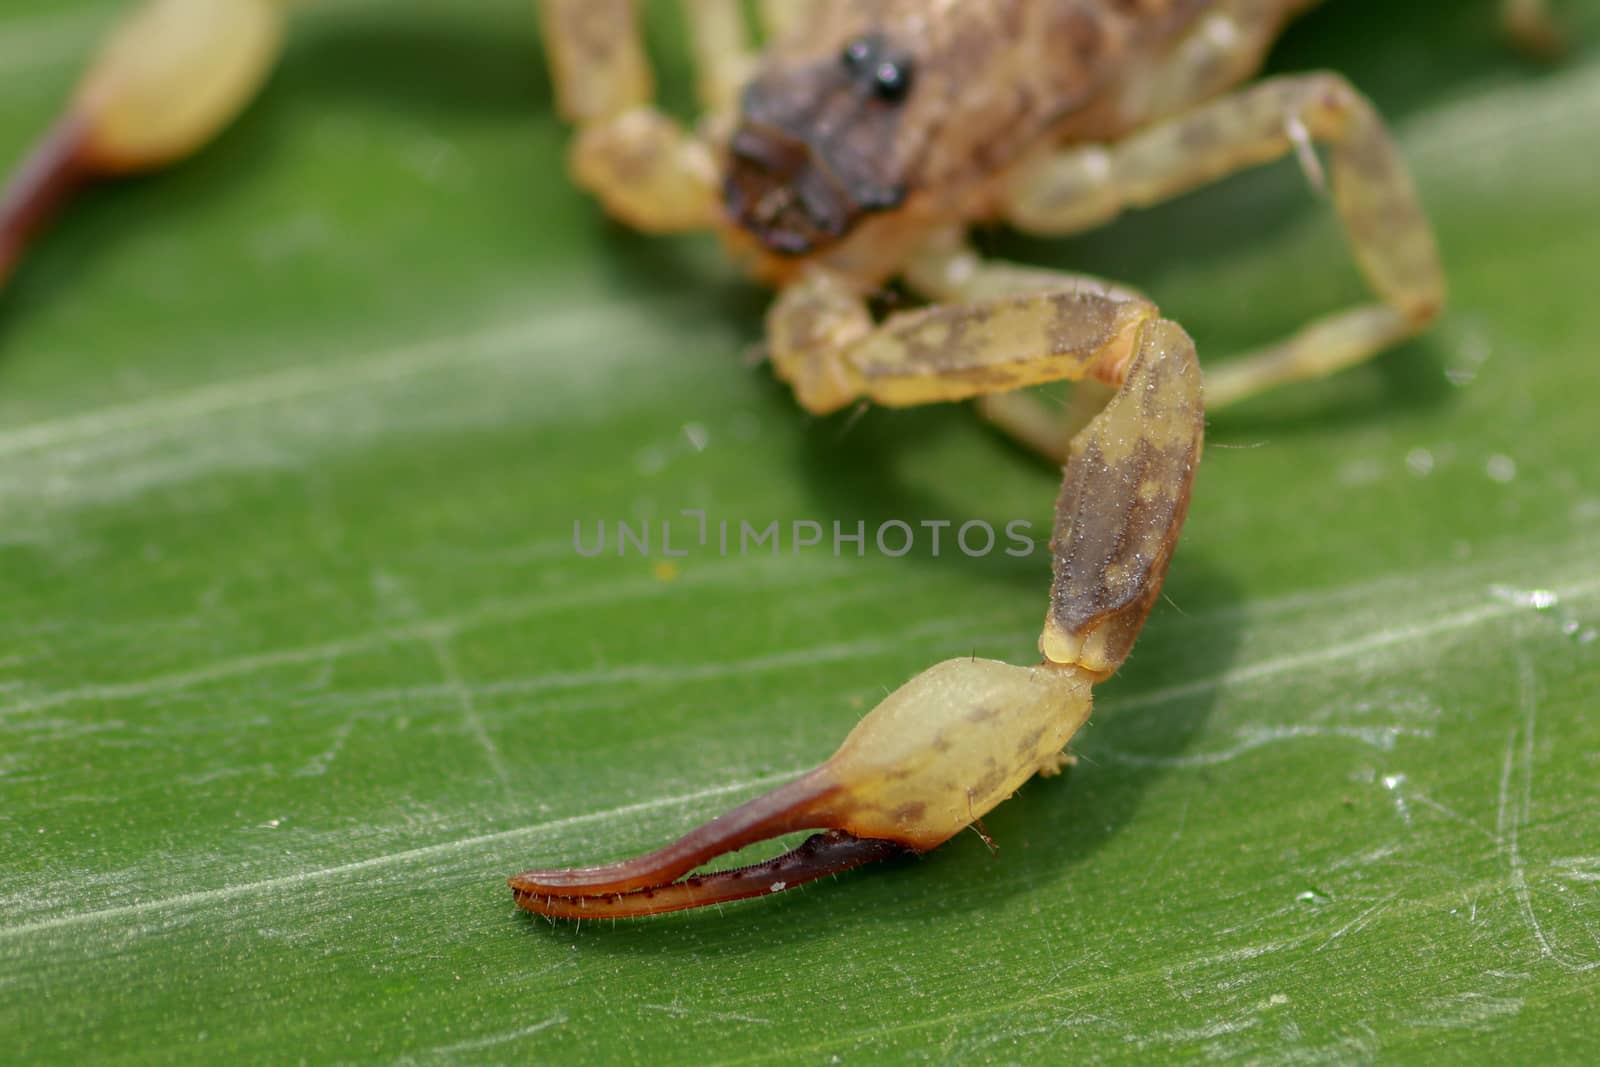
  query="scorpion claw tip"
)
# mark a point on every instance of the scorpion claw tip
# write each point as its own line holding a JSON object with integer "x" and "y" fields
{"x": 46, "y": 178}
{"x": 831, "y": 852}
{"x": 651, "y": 883}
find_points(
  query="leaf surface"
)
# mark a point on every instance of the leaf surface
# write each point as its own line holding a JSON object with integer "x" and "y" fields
{"x": 298, "y": 661}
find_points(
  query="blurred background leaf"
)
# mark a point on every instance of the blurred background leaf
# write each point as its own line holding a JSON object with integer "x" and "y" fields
{"x": 297, "y": 662}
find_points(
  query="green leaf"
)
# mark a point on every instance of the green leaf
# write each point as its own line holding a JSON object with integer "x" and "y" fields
{"x": 297, "y": 661}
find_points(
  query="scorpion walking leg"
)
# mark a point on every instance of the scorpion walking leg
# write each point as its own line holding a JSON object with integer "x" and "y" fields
{"x": 723, "y": 57}
{"x": 1371, "y": 190}
{"x": 777, "y": 16}
{"x": 645, "y": 168}
{"x": 1042, "y": 427}
{"x": 956, "y": 740}
{"x": 168, "y": 79}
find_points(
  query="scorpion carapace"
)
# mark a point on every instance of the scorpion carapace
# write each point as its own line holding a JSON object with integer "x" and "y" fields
{"x": 807, "y": 160}
{"x": 855, "y": 149}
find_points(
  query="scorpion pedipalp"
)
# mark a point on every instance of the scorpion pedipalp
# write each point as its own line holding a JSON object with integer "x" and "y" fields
{"x": 946, "y": 747}
{"x": 936, "y": 754}
{"x": 170, "y": 77}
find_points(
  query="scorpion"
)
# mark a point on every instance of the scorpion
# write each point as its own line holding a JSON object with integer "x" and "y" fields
{"x": 856, "y": 149}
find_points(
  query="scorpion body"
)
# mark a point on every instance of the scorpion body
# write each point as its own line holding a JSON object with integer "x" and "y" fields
{"x": 855, "y": 149}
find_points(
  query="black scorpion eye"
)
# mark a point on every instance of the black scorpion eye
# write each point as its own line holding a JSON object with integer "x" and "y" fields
{"x": 859, "y": 54}
{"x": 871, "y": 58}
{"x": 893, "y": 80}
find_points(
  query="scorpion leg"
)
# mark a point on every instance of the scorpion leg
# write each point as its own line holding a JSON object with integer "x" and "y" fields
{"x": 1371, "y": 189}
{"x": 723, "y": 57}
{"x": 167, "y": 80}
{"x": 1045, "y": 428}
{"x": 776, "y": 16}
{"x": 962, "y": 736}
{"x": 644, "y": 167}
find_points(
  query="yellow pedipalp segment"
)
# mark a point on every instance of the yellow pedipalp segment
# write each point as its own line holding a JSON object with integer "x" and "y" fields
{"x": 652, "y": 173}
{"x": 172, "y": 76}
{"x": 956, "y": 352}
{"x": 1091, "y": 653}
{"x": 815, "y": 319}
{"x": 950, "y": 744}
{"x": 1059, "y": 645}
